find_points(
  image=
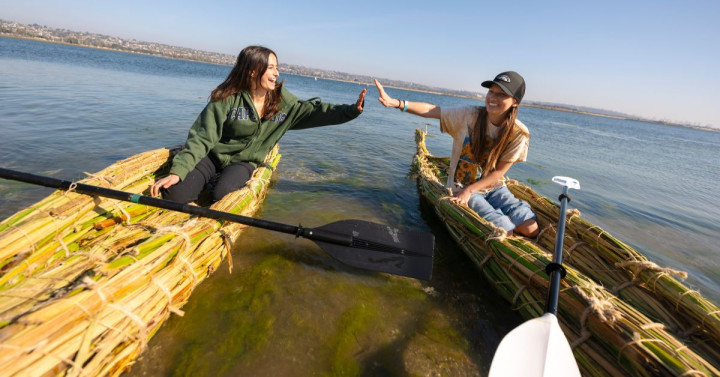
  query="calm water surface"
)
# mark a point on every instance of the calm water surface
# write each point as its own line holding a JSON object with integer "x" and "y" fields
{"x": 288, "y": 308}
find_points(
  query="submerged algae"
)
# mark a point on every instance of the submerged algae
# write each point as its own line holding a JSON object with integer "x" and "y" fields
{"x": 293, "y": 311}
{"x": 439, "y": 347}
{"x": 246, "y": 326}
{"x": 345, "y": 345}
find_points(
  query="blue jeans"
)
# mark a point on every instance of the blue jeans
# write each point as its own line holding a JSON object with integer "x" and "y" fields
{"x": 501, "y": 208}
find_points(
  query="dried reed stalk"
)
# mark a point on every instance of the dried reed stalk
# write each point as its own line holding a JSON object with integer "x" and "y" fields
{"x": 86, "y": 300}
{"x": 653, "y": 290}
{"x": 609, "y": 335}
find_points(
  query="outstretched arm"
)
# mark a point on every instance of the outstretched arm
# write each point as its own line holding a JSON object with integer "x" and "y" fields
{"x": 426, "y": 110}
{"x": 314, "y": 113}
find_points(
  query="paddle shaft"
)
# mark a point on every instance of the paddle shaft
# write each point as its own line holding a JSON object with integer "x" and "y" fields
{"x": 299, "y": 231}
{"x": 539, "y": 343}
{"x": 556, "y": 275}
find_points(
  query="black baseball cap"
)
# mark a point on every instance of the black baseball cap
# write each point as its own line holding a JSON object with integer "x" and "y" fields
{"x": 511, "y": 83}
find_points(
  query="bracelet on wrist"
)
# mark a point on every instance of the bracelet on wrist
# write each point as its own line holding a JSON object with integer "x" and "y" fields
{"x": 406, "y": 106}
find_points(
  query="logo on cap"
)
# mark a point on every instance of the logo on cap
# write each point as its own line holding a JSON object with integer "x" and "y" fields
{"x": 504, "y": 78}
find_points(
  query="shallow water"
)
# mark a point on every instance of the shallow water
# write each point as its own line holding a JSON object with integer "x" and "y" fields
{"x": 290, "y": 309}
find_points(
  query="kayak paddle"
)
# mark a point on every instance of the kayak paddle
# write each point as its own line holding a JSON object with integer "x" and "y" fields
{"x": 358, "y": 243}
{"x": 538, "y": 347}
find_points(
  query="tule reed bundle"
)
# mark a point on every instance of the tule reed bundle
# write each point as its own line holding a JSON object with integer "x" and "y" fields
{"x": 622, "y": 314}
{"x": 85, "y": 282}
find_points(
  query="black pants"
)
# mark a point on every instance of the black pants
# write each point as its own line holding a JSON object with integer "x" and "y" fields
{"x": 231, "y": 178}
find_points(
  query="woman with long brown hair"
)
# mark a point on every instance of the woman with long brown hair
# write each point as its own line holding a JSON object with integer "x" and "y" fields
{"x": 487, "y": 141}
{"x": 246, "y": 116}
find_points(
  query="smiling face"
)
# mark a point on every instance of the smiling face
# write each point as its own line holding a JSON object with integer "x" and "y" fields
{"x": 498, "y": 103}
{"x": 267, "y": 81}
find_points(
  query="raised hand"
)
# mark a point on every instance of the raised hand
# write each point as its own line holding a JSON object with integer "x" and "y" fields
{"x": 384, "y": 98}
{"x": 361, "y": 100}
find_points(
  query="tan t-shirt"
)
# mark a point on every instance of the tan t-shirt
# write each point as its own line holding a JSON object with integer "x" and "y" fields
{"x": 458, "y": 121}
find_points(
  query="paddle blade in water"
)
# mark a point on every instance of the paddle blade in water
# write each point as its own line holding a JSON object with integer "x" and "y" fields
{"x": 381, "y": 248}
{"x": 537, "y": 348}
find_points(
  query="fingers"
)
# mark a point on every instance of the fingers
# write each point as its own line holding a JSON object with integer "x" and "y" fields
{"x": 163, "y": 183}
{"x": 380, "y": 89}
{"x": 362, "y": 95}
{"x": 361, "y": 100}
{"x": 155, "y": 188}
{"x": 458, "y": 200}
{"x": 383, "y": 97}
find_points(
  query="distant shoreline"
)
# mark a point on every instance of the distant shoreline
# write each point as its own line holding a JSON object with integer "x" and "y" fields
{"x": 449, "y": 94}
{"x": 533, "y": 105}
{"x": 105, "y": 48}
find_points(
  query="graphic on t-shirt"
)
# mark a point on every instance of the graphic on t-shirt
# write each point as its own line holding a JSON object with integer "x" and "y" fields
{"x": 468, "y": 168}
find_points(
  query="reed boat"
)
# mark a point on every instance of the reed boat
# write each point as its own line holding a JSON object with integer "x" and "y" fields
{"x": 622, "y": 314}
{"x": 86, "y": 281}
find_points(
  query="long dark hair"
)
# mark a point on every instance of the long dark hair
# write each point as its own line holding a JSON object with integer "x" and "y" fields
{"x": 478, "y": 138}
{"x": 251, "y": 59}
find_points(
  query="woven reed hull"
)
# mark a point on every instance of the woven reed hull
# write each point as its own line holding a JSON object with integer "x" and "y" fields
{"x": 85, "y": 282}
{"x": 623, "y": 315}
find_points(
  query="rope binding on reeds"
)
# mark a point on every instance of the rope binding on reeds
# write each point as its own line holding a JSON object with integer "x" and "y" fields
{"x": 638, "y": 267}
{"x": 594, "y": 255}
{"x": 597, "y": 305}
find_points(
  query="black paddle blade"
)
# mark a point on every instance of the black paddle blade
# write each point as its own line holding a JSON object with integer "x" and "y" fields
{"x": 381, "y": 248}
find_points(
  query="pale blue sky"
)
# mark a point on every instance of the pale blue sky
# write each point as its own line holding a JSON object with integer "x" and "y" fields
{"x": 657, "y": 59}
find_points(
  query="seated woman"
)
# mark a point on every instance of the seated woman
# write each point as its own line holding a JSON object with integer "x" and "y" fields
{"x": 246, "y": 116}
{"x": 487, "y": 141}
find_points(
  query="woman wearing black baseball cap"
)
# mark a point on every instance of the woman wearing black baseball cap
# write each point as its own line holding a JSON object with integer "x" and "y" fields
{"x": 487, "y": 141}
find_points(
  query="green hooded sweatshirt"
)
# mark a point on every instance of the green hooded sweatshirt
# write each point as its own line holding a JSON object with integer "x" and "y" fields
{"x": 230, "y": 131}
